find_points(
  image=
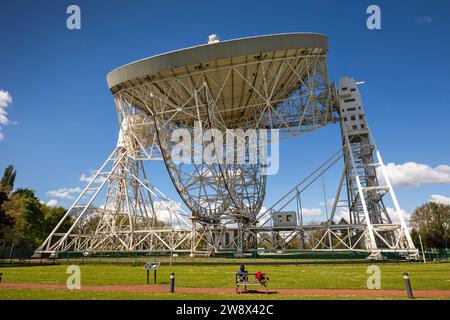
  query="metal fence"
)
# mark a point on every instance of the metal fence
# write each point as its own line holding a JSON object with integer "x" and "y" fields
{"x": 14, "y": 255}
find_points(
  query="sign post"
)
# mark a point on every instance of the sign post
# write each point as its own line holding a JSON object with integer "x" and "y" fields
{"x": 151, "y": 266}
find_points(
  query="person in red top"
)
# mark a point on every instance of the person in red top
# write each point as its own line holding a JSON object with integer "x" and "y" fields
{"x": 261, "y": 277}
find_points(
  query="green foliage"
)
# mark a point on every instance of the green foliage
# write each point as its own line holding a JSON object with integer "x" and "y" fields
{"x": 33, "y": 221}
{"x": 26, "y": 193}
{"x": 6, "y": 187}
{"x": 25, "y": 209}
{"x": 431, "y": 222}
{"x": 7, "y": 181}
{"x": 6, "y": 221}
{"x": 24, "y": 220}
{"x": 52, "y": 216}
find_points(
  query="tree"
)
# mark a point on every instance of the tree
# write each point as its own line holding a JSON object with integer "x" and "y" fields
{"x": 24, "y": 220}
{"x": 26, "y": 193}
{"x": 52, "y": 216}
{"x": 6, "y": 187}
{"x": 7, "y": 181}
{"x": 6, "y": 221}
{"x": 431, "y": 221}
{"x": 33, "y": 220}
{"x": 28, "y": 217}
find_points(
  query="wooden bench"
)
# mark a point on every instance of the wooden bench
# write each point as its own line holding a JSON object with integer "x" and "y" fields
{"x": 249, "y": 279}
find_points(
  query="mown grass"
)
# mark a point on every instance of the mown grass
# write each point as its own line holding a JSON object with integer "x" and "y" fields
{"x": 24, "y": 294}
{"x": 423, "y": 276}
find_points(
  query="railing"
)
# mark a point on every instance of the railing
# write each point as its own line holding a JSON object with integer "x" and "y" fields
{"x": 13, "y": 255}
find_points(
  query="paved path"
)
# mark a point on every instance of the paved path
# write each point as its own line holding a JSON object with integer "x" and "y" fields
{"x": 162, "y": 288}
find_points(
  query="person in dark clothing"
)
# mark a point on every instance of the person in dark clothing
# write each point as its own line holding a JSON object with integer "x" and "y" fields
{"x": 242, "y": 270}
{"x": 242, "y": 275}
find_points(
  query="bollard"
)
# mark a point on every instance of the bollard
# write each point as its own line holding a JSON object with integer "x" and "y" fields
{"x": 172, "y": 282}
{"x": 148, "y": 276}
{"x": 154, "y": 276}
{"x": 408, "y": 285}
{"x": 1, "y": 275}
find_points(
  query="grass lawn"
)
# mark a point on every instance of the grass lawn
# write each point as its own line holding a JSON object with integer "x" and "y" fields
{"x": 423, "y": 276}
{"x": 23, "y": 294}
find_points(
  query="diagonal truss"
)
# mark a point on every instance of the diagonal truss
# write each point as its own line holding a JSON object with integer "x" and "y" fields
{"x": 290, "y": 93}
{"x": 120, "y": 209}
{"x": 369, "y": 226}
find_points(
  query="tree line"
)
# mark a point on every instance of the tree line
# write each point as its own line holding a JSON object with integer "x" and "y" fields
{"x": 431, "y": 223}
{"x": 25, "y": 221}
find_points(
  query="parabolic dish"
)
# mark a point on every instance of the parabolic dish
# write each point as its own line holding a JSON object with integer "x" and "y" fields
{"x": 175, "y": 74}
{"x": 264, "y": 82}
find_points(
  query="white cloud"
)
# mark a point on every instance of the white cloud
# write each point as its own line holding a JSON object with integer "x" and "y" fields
{"x": 52, "y": 203}
{"x": 438, "y": 198}
{"x": 330, "y": 203}
{"x": 412, "y": 174}
{"x": 88, "y": 178}
{"x": 343, "y": 213}
{"x": 311, "y": 212}
{"x": 395, "y": 218}
{"x": 169, "y": 211}
{"x": 424, "y": 19}
{"x": 5, "y": 100}
{"x": 64, "y": 193}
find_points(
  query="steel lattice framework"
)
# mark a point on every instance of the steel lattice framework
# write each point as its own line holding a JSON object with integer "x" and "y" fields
{"x": 289, "y": 93}
{"x": 262, "y": 83}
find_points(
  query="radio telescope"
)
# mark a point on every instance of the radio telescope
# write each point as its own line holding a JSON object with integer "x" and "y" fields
{"x": 259, "y": 83}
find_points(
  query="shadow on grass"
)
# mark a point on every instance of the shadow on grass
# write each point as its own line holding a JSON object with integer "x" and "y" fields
{"x": 252, "y": 291}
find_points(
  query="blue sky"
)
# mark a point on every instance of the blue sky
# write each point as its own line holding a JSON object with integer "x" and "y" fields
{"x": 63, "y": 120}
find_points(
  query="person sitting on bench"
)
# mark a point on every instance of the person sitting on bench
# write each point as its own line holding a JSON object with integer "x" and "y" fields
{"x": 261, "y": 277}
{"x": 242, "y": 275}
{"x": 242, "y": 272}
